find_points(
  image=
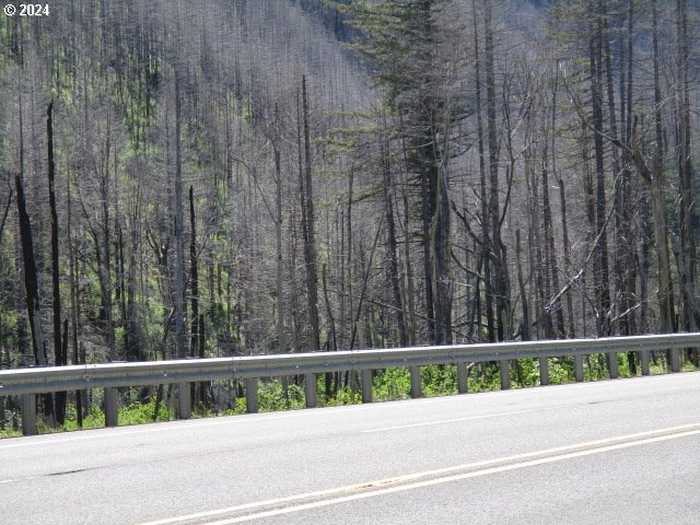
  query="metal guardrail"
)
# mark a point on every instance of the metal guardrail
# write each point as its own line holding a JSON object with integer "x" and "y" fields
{"x": 28, "y": 382}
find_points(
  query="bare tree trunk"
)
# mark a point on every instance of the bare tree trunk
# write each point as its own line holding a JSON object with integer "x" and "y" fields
{"x": 547, "y": 210}
{"x": 620, "y": 245}
{"x": 687, "y": 204}
{"x": 590, "y": 219}
{"x": 567, "y": 258}
{"x": 60, "y": 358}
{"x": 552, "y": 269}
{"x": 349, "y": 241}
{"x": 410, "y": 282}
{"x": 657, "y": 186}
{"x": 501, "y": 286}
{"x": 486, "y": 260}
{"x": 426, "y": 216}
{"x": 525, "y": 323}
{"x": 180, "y": 348}
{"x": 106, "y": 267}
{"x": 184, "y": 405}
{"x": 542, "y": 285}
{"x": 308, "y": 226}
{"x": 132, "y": 339}
{"x": 600, "y": 273}
{"x": 279, "y": 268}
{"x": 627, "y": 236}
{"x": 332, "y": 337}
{"x": 74, "y": 299}
{"x": 387, "y": 188}
{"x": 31, "y": 276}
{"x": 440, "y": 240}
{"x": 196, "y": 325}
{"x": 194, "y": 281}
{"x": 30, "y": 270}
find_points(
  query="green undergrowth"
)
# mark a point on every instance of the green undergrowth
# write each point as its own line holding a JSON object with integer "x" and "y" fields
{"x": 9, "y": 433}
{"x": 387, "y": 385}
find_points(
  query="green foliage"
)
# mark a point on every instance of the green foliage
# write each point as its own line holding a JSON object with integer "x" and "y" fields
{"x": 439, "y": 380}
{"x": 271, "y": 397}
{"x": 9, "y": 433}
{"x": 488, "y": 379}
{"x": 132, "y": 414}
{"x": 238, "y": 408}
{"x": 95, "y": 418}
{"x": 139, "y": 413}
{"x": 344, "y": 396}
{"x": 526, "y": 372}
{"x": 392, "y": 383}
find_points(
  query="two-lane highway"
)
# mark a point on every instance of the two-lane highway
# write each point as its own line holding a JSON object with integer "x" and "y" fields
{"x": 622, "y": 451}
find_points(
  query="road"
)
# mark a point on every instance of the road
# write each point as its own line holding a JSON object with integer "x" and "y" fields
{"x": 623, "y": 451}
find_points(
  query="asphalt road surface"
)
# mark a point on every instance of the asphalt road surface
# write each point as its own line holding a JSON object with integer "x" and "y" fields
{"x": 624, "y": 451}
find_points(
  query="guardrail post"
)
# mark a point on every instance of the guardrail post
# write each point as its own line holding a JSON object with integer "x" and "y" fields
{"x": 644, "y": 362}
{"x": 28, "y": 414}
{"x": 505, "y": 374}
{"x": 544, "y": 371}
{"x": 111, "y": 407}
{"x": 184, "y": 401}
{"x": 310, "y": 390}
{"x": 462, "y": 378}
{"x": 366, "y": 386}
{"x": 578, "y": 367}
{"x": 251, "y": 395}
{"x": 675, "y": 359}
{"x": 613, "y": 367}
{"x": 416, "y": 387}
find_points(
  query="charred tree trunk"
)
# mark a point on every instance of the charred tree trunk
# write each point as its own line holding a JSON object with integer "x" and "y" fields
{"x": 31, "y": 278}
{"x": 387, "y": 192}
{"x": 687, "y": 204}
{"x": 631, "y": 264}
{"x": 61, "y": 358}
{"x": 180, "y": 347}
{"x": 547, "y": 210}
{"x": 500, "y": 268}
{"x": 567, "y": 258}
{"x": 308, "y": 225}
{"x": 600, "y": 272}
{"x": 74, "y": 300}
{"x": 194, "y": 282}
{"x": 525, "y": 322}
{"x": 486, "y": 258}
{"x": 657, "y": 186}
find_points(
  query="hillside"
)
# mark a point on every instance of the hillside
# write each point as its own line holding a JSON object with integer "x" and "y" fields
{"x": 216, "y": 178}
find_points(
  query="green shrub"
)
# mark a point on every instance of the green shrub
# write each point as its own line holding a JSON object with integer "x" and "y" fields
{"x": 391, "y": 384}
{"x": 9, "y": 433}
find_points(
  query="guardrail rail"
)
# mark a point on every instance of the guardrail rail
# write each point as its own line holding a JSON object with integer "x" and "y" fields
{"x": 27, "y": 382}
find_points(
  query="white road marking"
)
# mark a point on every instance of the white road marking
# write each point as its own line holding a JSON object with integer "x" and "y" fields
{"x": 439, "y": 476}
{"x": 455, "y": 420}
{"x": 443, "y": 480}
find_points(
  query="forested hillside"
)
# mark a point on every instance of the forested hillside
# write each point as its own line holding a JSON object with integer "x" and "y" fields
{"x": 235, "y": 177}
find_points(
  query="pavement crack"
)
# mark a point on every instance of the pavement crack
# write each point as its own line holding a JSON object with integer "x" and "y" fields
{"x": 68, "y": 472}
